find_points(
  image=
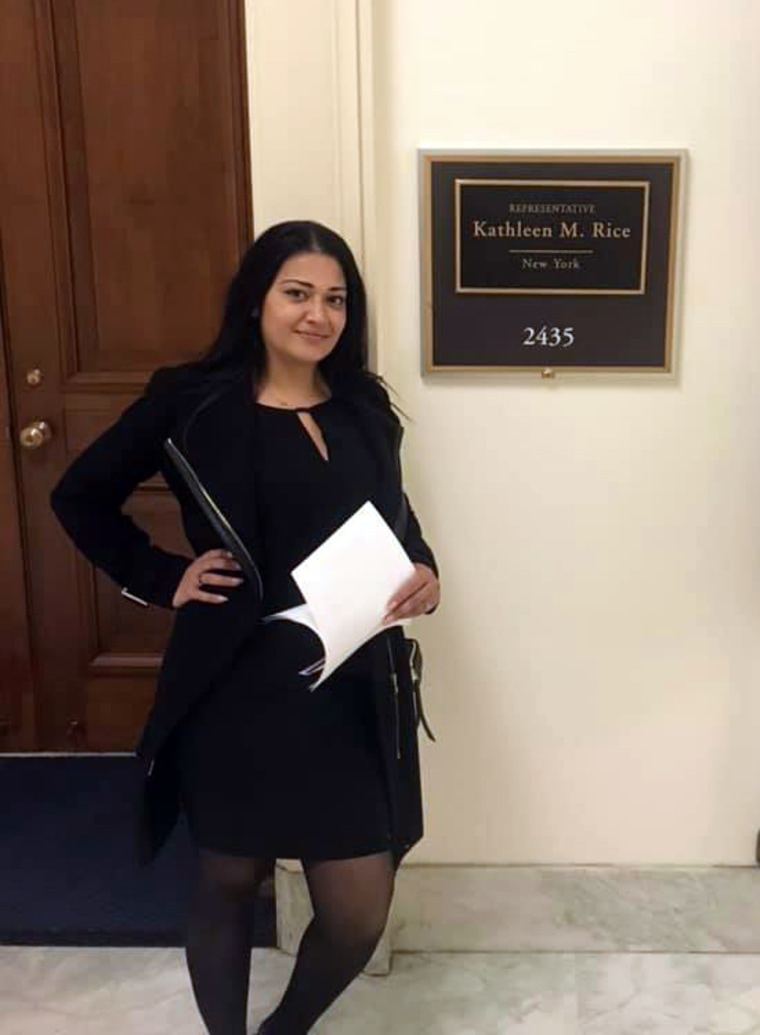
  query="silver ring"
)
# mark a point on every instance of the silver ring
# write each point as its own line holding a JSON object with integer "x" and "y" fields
{"x": 200, "y": 582}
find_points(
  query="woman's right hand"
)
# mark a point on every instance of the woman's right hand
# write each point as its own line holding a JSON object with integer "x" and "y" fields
{"x": 201, "y": 573}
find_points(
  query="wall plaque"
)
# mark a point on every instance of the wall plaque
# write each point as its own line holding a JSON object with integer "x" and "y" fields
{"x": 536, "y": 261}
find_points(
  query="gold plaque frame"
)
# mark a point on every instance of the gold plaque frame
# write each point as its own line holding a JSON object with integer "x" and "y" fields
{"x": 653, "y": 302}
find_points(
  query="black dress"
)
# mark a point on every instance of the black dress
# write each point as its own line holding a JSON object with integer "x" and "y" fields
{"x": 267, "y": 766}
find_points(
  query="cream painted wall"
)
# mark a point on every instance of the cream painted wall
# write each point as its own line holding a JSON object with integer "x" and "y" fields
{"x": 593, "y": 674}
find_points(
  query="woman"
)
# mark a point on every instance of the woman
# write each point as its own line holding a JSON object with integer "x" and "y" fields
{"x": 269, "y": 443}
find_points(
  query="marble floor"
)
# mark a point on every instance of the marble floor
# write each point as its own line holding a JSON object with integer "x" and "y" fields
{"x": 56, "y": 991}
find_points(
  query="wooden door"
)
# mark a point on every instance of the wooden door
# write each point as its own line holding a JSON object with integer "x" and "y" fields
{"x": 125, "y": 208}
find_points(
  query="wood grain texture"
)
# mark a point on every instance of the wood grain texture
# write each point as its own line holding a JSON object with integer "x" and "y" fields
{"x": 125, "y": 211}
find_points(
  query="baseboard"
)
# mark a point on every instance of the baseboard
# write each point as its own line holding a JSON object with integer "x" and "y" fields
{"x": 577, "y": 909}
{"x": 555, "y": 909}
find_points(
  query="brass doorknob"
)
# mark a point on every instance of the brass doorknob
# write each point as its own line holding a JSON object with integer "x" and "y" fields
{"x": 35, "y": 434}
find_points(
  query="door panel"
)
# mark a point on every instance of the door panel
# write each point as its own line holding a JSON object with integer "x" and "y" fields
{"x": 125, "y": 210}
{"x": 151, "y": 177}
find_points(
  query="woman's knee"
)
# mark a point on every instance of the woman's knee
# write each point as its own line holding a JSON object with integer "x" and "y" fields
{"x": 233, "y": 877}
{"x": 358, "y": 930}
{"x": 351, "y": 898}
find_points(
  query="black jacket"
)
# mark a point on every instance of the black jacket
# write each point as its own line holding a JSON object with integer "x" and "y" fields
{"x": 183, "y": 420}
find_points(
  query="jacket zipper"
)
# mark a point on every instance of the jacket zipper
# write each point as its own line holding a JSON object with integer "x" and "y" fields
{"x": 402, "y": 515}
{"x": 210, "y": 508}
{"x": 394, "y": 684}
{"x": 400, "y": 526}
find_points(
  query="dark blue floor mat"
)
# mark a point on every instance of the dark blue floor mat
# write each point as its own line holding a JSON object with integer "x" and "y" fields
{"x": 68, "y": 875}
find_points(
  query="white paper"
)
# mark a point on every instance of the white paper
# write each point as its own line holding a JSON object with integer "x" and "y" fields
{"x": 347, "y": 583}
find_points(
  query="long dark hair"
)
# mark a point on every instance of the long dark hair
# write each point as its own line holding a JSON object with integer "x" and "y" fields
{"x": 239, "y": 347}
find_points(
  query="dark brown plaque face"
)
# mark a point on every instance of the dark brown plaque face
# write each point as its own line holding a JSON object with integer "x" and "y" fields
{"x": 549, "y": 261}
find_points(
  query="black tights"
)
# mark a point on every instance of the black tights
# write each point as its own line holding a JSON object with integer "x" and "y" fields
{"x": 350, "y": 898}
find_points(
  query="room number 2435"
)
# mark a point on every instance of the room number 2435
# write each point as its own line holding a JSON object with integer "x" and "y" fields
{"x": 551, "y": 337}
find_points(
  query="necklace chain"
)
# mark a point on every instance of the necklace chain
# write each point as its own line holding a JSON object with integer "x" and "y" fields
{"x": 288, "y": 404}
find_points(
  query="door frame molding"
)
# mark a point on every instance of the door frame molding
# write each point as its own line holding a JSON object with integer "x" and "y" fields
{"x": 17, "y": 726}
{"x": 312, "y": 135}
